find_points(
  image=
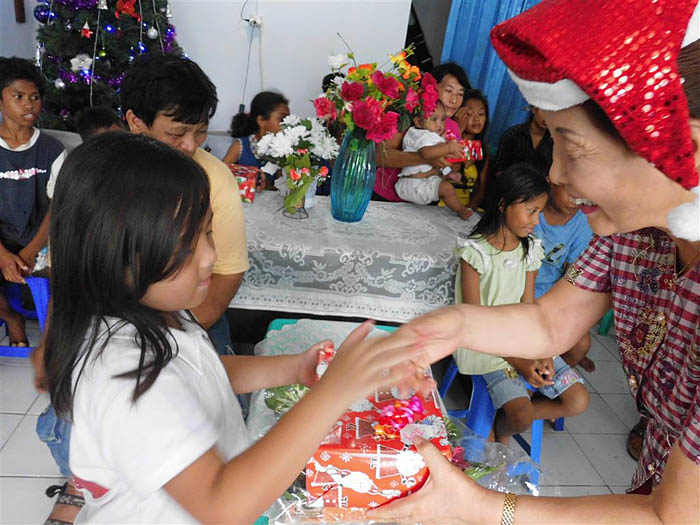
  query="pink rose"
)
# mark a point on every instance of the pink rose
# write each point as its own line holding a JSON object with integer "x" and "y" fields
{"x": 366, "y": 113}
{"x": 388, "y": 86}
{"x": 324, "y": 108}
{"x": 294, "y": 174}
{"x": 323, "y": 171}
{"x": 386, "y": 127}
{"x": 428, "y": 80}
{"x": 412, "y": 100}
{"x": 352, "y": 91}
{"x": 305, "y": 171}
{"x": 429, "y": 99}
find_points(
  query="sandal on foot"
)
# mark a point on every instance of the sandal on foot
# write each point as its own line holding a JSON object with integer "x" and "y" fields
{"x": 636, "y": 438}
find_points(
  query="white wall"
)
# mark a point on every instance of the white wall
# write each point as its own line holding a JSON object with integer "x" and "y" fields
{"x": 17, "y": 39}
{"x": 296, "y": 39}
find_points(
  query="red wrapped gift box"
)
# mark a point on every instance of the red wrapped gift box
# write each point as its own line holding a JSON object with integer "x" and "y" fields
{"x": 247, "y": 177}
{"x": 355, "y": 468}
{"x": 472, "y": 151}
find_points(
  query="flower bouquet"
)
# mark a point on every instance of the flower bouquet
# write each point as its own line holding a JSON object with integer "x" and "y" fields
{"x": 379, "y": 103}
{"x": 373, "y": 106}
{"x": 300, "y": 149}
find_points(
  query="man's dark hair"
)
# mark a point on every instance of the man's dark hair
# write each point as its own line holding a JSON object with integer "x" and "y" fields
{"x": 91, "y": 120}
{"x": 15, "y": 68}
{"x": 171, "y": 84}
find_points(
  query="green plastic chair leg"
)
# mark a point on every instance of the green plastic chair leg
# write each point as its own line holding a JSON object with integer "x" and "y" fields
{"x": 605, "y": 323}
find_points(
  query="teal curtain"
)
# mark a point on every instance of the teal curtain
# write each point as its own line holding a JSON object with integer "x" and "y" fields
{"x": 468, "y": 44}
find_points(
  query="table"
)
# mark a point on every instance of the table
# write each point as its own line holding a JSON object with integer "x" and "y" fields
{"x": 396, "y": 263}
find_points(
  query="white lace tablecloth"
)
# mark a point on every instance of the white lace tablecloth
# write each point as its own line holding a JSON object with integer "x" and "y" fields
{"x": 395, "y": 264}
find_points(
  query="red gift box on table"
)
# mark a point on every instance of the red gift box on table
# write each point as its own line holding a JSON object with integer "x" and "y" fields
{"x": 362, "y": 465}
{"x": 472, "y": 151}
{"x": 247, "y": 177}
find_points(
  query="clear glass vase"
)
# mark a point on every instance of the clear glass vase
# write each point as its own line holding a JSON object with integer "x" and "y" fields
{"x": 352, "y": 180}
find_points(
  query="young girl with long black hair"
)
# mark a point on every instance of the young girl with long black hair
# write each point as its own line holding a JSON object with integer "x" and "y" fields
{"x": 498, "y": 265}
{"x": 157, "y": 433}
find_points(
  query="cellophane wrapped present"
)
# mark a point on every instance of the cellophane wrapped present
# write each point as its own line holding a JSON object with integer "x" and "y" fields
{"x": 365, "y": 462}
{"x": 472, "y": 151}
{"x": 247, "y": 177}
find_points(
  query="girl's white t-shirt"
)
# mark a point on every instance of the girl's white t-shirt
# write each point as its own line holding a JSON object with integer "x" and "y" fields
{"x": 123, "y": 453}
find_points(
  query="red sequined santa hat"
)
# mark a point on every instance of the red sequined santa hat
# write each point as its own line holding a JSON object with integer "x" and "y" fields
{"x": 622, "y": 54}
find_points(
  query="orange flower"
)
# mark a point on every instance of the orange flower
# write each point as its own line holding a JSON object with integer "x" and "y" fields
{"x": 351, "y": 70}
{"x": 370, "y": 67}
{"x": 413, "y": 70}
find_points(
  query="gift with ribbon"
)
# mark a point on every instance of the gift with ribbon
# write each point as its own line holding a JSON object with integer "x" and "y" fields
{"x": 368, "y": 459}
{"x": 247, "y": 178}
{"x": 472, "y": 151}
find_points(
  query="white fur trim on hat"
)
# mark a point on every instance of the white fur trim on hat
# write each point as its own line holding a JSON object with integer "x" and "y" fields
{"x": 693, "y": 32}
{"x": 552, "y": 97}
{"x": 684, "y": 220}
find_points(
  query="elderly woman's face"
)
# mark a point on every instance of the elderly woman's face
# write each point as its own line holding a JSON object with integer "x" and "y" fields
{"x": 617, "y": 189}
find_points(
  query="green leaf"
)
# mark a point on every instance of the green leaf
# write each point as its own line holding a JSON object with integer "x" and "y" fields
{"x": 295, "y": 197}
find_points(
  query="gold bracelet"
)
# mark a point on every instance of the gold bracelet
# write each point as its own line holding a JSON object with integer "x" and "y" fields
{"x": 508, "y": 509}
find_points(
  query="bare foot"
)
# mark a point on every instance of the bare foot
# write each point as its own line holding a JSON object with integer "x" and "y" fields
{"x": 465, "y": 213}
{"x": 15, "y": 327}
{"x": 68, "y": 504}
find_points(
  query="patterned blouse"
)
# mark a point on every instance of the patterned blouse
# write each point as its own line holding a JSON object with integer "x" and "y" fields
{"x": 656, "y": 321}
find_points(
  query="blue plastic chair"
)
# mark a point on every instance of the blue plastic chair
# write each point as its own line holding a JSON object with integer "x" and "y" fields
{"x": 39, "y": 288}
{"x": 480, "y": 414}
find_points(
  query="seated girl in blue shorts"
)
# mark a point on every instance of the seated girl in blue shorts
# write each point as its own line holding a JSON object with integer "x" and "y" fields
{"x": 498, "y": 265}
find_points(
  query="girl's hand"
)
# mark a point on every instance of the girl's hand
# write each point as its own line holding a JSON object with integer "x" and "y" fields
{"x": 545, "y": 368}
{"x": 12, "y": 266}
{"x": 363, "y": 364}
{"x": 306, "y": 364}
{"x": 461, "y": 116}
{"x": 442, "y": 498}
{"x": 455, "y": 150}
{"x": 530, "y": 370}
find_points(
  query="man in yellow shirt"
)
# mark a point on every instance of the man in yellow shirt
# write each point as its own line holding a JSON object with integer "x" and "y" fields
{"x": 171, "y": 99}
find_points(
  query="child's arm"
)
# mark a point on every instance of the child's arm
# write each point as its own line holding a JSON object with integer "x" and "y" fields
{"x": 240, "y": 490}
{"x": 535, "y": 371}
{"x": 233, "y": 153}
{"x": 249, "y": 373}
{"x": 430, "y": 173}
{"x": 29, "y": 252}
{"x": 479, "y": 191}
{"x": 450, "y": 148}
{"x": 470, "y": 284}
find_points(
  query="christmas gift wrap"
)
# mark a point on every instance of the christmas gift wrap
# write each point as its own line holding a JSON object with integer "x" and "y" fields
{"x": 247, "y": 177}
{"x": 367, "y": 459}
{"x": 472, "y": 151}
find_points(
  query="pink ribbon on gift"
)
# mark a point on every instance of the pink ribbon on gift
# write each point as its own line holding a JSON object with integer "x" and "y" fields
{"x": 396, "y": 416}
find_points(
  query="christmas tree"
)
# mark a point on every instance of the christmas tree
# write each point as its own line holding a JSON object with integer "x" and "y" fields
{"x": 85, "y": 46}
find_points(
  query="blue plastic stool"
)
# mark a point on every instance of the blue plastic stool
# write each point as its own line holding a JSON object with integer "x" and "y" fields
{"x": 480, "y": 414}
{"x": 40, "y": 290}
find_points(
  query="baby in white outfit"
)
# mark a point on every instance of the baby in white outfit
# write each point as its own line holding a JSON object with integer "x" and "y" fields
{"x": 423, "y": 184}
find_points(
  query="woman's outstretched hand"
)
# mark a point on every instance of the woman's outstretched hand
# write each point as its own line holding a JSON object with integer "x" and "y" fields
{"x": 448, "y": 496}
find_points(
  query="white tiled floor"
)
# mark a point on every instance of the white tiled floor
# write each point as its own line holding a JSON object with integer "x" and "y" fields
{"x": 588, "y": 457}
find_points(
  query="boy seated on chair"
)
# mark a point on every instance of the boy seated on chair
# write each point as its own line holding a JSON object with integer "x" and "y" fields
{"x": 27, "y": 157}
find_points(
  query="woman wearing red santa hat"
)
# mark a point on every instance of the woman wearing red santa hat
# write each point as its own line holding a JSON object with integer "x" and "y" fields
{"x": 619, "y": 83}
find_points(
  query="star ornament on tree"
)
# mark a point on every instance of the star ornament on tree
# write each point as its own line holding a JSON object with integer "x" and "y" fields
{"x": 86, "y": 32}
{"x": 81, "y": 61}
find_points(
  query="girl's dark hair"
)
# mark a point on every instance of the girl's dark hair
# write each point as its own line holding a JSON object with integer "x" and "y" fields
{"x": 264, "y": 103}
{"x": 451, "y": 68}
{"x": 93, "y": 119}
{"x": 520, "y": 182}
{"x": 171, "y": 84}
{"x": 126, "y": 212}
{"x": 15, "y": 68}
{"x": 479, "y": 95}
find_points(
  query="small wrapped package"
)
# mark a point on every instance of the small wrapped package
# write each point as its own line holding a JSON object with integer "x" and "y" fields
{"x": 367, "y": 459}
{"x": 247, "y": 177}
{"x": 472, "y": 151}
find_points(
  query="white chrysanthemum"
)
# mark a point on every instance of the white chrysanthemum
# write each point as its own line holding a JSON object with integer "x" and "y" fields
{"x": 324, "y": 146}
{"x": 296, "y": 133}
{"x": 263, "y": 147}
{"x": 338, "y": 81}
{"x": 316, "y": 126}
{"x": 291, "y": 120}
{"x": 336, "y": 61}
{"x": 281, "y": 145}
